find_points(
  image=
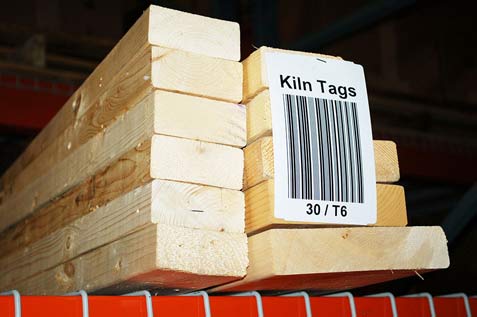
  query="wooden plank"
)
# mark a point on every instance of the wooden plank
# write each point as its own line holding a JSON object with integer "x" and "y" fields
{"x": 158, "y": 256}
{"x": 130, "y": 130}
{"x": 157, "y": 26}
{"x": 259, "y": 165}
{"x": 197, "y": 75}
{"x": 193, "y": 33}
{"x": 168, "y": 71}
{"x": 196, "y": 162}
{"x": 329, "y": 259}
{"x": 202, "y": 119}
{"x": 171, "y": 203}
{"x": 126, "y": 173}
{"x": 255, "y": 70}
{"x": 259, "y": 208}
{"x": 135, "y": 40}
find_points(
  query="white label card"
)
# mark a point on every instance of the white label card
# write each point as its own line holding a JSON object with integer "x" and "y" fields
{"x": 322, "y": 139}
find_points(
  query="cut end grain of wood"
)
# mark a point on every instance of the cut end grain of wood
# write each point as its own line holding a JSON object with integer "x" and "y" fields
{"x": 196, "y": 162}
{"x": 199, "y": 118}
{"x": 157, "y": 26}
{"x": 196, "y": 74}
{"x": 158, "y": 255}
{"x": 193, "y": 33}
{"x": 164, "y": 202}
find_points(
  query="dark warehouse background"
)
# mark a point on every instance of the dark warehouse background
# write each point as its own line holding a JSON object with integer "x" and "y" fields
{"x": 420, "y": 60}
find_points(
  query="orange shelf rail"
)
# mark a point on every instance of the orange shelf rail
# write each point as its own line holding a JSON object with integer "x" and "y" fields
{"x": 239, "y": 306}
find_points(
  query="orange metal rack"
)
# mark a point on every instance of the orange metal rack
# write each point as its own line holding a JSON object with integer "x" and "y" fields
{"x": 248, "y": 305}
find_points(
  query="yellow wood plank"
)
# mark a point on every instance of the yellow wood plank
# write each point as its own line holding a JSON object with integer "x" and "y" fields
{"x": 157, "y": 256}
{"x": 154, "y": 68}
{"x": 129, "y": 171}
{"x": 259, "y": 208}
{"x": 201, "y": 119}
{"x": 157, "y": 26}
{"x": 196, "y": 162}
{"x": 193, "y": 33}
{"x": 129, "y": 130}
{"x": 171, "y": 203}
{"x": 330, "y": 259}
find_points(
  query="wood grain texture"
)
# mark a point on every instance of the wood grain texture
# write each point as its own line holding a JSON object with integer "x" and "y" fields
{"x": 128, "y": 131}
{"x": 255, "y": 70}
{"x": 196, "y": 74}
{"x": 127, "y": 89}
{"x": 193, "y": 33}
{"x": 259, "y": 164}
{"x": 165, "y": 202}
{"x": 165, "y": 69}
{"x": 157, "y": 26}
{"x": 196, "y": 162}
{"x": 198, "y": 207}
{"x": 128, "y": 172}
{"x": 160, "y": 256}
{"x": 259, "y": 208}
{"x": 197, "y": 118}
{"x": 339, "y": 258}
{"x": 84, "y": 97}
{"x": 172, "y": 158}
{"x": 385, "y": 152}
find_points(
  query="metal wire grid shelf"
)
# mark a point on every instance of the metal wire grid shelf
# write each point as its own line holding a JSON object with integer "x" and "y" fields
{"x": 248, "y": 304}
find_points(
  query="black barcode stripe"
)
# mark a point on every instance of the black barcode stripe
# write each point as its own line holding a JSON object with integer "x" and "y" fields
{"x": 288, "y": 132}
{"x": 358, "y": 153}
{"x": 323, "y": 145}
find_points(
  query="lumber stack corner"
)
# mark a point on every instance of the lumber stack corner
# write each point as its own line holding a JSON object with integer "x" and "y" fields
{"x": 137, "y": 180}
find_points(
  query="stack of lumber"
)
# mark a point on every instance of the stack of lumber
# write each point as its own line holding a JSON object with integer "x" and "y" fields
{"x": 136, "y": 181}
{"x": 288, "y": 255}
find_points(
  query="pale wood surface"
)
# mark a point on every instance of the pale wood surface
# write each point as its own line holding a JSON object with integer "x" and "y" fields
{"x": 159, "y": 256}
{"x": 169, "y": 69}
{"x": 174, "y": 114}
{"x": 127, "y": 89}
{"x": 165, "y": 202}
{"x": 255, "y": 70}
{"x": 197, "y": 118}
{"x": 172, "y": 158}
{"x": 129, "y": 171}
{"x": 98, "y": 82}
{"x": 259, "y": 208}
{"x": 125, "y": 133}
{"x": 157, "y": 26}
{"x": 198, "y": 207}
{"x": 196, "y": 74}
{"x": 324, "y": 258}
{"x": 385, "y": 152}
{"x": 196, "y": 162}
{"x": 194, "y": 33}
{"x": 259, "y": 165}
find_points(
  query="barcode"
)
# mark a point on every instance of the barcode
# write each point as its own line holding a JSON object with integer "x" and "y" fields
{"x": 324, "y": 160}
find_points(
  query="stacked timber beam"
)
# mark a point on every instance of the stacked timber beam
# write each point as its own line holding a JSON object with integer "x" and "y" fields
{"x": 136, "y": 181}
{"x": 288, "y": 255}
